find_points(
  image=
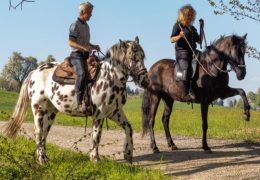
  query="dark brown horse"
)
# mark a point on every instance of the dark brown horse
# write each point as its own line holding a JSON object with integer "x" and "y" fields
{"x": 209, "y": 83}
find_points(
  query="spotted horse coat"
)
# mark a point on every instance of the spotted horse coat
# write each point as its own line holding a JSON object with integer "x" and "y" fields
{"x": 108, "y": 94}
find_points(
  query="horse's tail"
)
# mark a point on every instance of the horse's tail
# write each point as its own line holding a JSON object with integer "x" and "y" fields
{"x": 145, "y": 112}
{"x": 14, "y": 124}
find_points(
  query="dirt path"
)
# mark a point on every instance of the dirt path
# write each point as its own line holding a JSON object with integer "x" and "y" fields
{"x": 229, "y": 160}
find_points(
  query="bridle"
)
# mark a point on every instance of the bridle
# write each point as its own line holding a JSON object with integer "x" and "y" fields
{"x": 135, "y": 74}
{"x": 229, "y": 70}
{"x": 210, "y": 73}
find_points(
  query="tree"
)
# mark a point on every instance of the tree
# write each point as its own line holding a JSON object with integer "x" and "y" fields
{"x": 8, "y": 85}
{"x": 220, "y": 102}
{"x": 129, "y": 91}
{"x": 234, "y": 102}
{"x": 50, "y": 58}
{"x": 136, "y": 92}
{"x": 251, "y": 96}
{"x": 230, "y": 103}
{"x": 258, "y": 98}
{"x": 18, "y": 68}
{"x": 240, "y": 10}
{"x": 240, "y": 104}
{"x": 11, "y": 6}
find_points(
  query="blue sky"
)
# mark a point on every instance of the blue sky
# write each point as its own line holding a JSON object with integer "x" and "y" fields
{"x": 41, "y": 28}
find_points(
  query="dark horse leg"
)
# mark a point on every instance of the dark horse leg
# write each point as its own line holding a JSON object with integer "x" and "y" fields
{"x": 168, "y": 103}
{"x": 204, "y": 114}
{"x": 229, "y": 92}
{"x": 154, "y": 101}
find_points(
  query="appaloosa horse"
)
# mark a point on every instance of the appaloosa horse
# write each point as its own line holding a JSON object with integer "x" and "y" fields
{"x": 108, "y": 94}
{"x": 209, "y": 83}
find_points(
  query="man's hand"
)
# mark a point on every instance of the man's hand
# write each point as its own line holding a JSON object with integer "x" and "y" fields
{"x": 88, "y": 48}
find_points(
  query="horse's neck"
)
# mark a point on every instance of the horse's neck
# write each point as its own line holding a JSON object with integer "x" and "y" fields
{"x": 212, "y": 60}
{"x": 115, "y": 70}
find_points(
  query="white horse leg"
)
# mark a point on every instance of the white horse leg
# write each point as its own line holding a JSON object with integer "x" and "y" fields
{"x": 96, "y": 135}
{"x": 121, "y": 119}
{"x": 44, "y": 114}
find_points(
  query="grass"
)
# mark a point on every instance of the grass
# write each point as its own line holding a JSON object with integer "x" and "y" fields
{"x": 17, "y": 156}
{"x": 17, "y": 162}
{"x": 223, "y": 122}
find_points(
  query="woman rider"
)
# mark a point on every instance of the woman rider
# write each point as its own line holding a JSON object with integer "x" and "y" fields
{"x": 183, "y": 31}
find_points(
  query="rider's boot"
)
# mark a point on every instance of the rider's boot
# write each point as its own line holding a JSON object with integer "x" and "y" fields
{"x": 85, "y": 109}
{"x": 189, "y": 95}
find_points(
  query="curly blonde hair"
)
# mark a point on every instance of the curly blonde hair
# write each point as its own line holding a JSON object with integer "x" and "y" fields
{"x": 187, "y": 15}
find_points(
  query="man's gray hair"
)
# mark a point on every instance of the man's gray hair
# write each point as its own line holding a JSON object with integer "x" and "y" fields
{"x": 85, "y": 7}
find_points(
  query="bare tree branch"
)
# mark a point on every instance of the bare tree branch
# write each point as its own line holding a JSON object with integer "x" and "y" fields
{"x": 11, "y": 6}
{"x": 238, "y": 9}
{"x": 252, "y": 52}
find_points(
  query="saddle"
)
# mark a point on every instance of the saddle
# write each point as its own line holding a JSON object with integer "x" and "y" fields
{"x": 178, "y": 72}
{"x": 65, "y": 74}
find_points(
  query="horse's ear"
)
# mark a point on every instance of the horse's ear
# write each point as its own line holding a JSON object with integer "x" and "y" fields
{"x": 122, "y": 43}
{"x": 244, "y": 37}
{"x": 137, "y": 39}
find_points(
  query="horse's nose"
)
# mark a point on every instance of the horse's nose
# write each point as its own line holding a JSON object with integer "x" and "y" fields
{"x": 145, "y": 83}
{"x": 243, "y": 74}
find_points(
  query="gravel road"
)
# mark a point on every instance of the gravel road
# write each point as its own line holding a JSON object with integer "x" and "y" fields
{"x": 230, "y": 159}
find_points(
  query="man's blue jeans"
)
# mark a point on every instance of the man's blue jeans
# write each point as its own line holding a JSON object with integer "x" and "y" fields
{"x": 78, "y": 63}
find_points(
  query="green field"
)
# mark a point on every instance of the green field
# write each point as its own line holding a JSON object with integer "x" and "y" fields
{"x": 224, "y": 123}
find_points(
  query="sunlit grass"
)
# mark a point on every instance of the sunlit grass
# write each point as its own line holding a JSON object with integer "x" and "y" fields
{"x": 17, "y": 162}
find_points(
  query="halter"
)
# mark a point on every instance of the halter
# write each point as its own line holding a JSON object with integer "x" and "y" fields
{"x": 139, "y": 73}
{"x": 134, "y": 75}
{"x": 229, "y": 70}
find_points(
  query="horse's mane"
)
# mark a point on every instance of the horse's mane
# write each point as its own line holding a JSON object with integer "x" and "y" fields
{"x": 221, "y": 46}
{"x": 118, "y": 51}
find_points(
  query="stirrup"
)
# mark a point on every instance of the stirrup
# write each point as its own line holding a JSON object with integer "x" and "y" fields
{"x": 192, "y": 95}
{"x": 88, "y": 111}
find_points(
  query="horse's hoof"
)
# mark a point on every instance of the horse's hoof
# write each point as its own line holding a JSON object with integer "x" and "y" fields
{"x": 246, "y": 117}
{"x": 156, "y": 150}
{"x": 174, "y": 148}
{"x": 208, "y": 151}
{"x": 94, "y": 157}
{"x": 128, "y": 158}
{"x": 43, "y": 159}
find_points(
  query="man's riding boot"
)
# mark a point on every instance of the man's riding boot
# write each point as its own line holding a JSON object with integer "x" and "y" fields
{"x": 87, "y": 102}
{"x": 87, "y": 110}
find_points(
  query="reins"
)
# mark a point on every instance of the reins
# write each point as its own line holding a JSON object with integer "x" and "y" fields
{"x": 196, "y": 55}
{"x": 221, "y": 70}
{"x": 218, "y": 68}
